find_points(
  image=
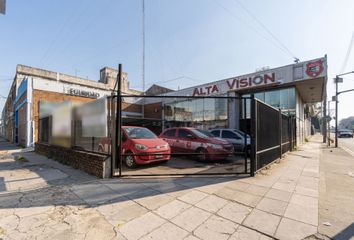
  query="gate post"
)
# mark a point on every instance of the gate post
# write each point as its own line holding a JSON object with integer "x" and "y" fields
{"x": 253, "y": 134}
{"x": 280, "y": 134}
{"x": 119, "y": 121}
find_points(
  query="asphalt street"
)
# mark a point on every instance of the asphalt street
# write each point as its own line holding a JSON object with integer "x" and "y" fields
{"x": 347, "y": 144}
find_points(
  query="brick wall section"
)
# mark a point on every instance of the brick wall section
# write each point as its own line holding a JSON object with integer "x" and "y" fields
{"x": 91, "y": 163}
{"x": 39, "y": 95}
{"x": 153, "y": 110}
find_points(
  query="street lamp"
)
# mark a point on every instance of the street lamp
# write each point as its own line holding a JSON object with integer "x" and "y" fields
{"x": 337, "y": 80}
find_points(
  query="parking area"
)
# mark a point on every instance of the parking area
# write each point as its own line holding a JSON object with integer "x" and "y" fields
{"x": 185, "y": 165}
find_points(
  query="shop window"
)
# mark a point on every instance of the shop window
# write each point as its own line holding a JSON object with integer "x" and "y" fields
{"x": 259, "y": 96}
{"x": 273, "y": 98}
{"x": 284, "y": 99}
{"x": 292, "y": 100}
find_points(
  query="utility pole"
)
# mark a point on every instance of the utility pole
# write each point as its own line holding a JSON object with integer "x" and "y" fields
{"x": 336, "y": 136}
{"x": 143, "y": 74}
{"x": 324, "y": 119}
{"x": 338, "y": 80}
{"x": 328, "y": 124}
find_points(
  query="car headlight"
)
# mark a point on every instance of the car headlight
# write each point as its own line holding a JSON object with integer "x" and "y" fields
{"x": 140, "y": 146}
{"x": 166, "y": 146}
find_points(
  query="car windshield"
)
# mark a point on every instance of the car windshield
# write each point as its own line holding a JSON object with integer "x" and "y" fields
{"x": 241, "y": 133}
{"x": 205, "y": 132}
{"x": 202, "y": 133}
{"x": 139, "y": 133}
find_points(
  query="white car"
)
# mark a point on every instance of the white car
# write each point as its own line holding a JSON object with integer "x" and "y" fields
{"x": 235, "y": 137}
{"x": 345, "y": 133}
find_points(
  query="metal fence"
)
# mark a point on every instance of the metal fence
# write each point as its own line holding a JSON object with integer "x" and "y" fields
{"x": 273, "y": 134}
{"x": 202, "y": 144}
{"x": 191, "y": 118}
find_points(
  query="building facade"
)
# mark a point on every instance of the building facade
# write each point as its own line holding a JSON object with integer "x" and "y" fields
{"x": 295, "y": 89}
{"x": 33, "y": 86}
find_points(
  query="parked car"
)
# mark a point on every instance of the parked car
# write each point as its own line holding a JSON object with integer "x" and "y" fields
{"x": 234, "y": 136}
{"x": 141, "y": 146}
{"x": 192, "y": 140}
{"x": 345, "y": 133}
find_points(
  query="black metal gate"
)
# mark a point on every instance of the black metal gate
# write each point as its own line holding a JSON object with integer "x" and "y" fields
{"x": 223, "y": 159}
{"x": 267, "y": 134}
{"x": 273, "y": 134}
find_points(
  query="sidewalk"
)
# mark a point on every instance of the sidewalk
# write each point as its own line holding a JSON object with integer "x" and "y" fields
{"x": 336, "y": 212}
{"x": 43, "y": 199}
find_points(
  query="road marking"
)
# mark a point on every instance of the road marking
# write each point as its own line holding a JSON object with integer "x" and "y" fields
{"x": 348, "y": 150}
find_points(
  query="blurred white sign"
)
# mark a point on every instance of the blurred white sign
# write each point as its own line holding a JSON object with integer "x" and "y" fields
{"x": 93, "y": 117}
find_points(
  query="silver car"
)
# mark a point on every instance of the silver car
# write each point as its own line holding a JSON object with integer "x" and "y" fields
{"x": 234, "y": 136}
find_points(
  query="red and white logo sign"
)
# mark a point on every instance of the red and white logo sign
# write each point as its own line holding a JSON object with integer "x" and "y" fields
{"x": 313, "y": 69}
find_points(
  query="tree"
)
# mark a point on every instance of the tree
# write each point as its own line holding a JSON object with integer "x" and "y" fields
{"x": 347, "y": 123}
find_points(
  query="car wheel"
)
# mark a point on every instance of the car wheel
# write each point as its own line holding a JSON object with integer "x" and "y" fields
{"x": 130, "y": 161}
{"x": 202, "y": 154}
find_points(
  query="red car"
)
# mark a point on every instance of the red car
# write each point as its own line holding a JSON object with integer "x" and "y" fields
{"x": 141, "y": 146}
{"x": 192, "y": 140}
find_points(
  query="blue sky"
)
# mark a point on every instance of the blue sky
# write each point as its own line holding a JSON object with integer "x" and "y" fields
{"x": 204, "y": 40}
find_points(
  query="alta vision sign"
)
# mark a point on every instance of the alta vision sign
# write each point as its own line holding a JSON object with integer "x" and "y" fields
{"x": 237, "y": 84}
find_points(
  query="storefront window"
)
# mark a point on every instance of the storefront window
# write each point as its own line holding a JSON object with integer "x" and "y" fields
{"x": 281, "y": 98}
{"x": 204, "y": 113}
{"x": 259, "y": 96}
{"x": 292, "y": 100}
{"x": 284, "y": 99}
{"x": 273, "y": 98}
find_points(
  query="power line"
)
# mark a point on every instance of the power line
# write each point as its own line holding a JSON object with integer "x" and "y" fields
{"x": 347, "y": 54}
{"x": 61, "y": 29}
{"x": 266, "y": 29}
{"x": 251, "y": 27}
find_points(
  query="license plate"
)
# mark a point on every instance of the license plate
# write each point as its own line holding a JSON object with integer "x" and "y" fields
{"x": 158, "y": 156}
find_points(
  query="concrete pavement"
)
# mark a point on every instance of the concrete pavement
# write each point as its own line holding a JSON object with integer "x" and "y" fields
{"x": 336, "y": 212}
{"x": 42, "y": 199}
{"x": 347, "y": 144}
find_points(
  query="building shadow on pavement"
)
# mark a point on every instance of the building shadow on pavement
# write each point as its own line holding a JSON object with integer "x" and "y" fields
{"x": 345, "y": 234}
{"x": 41, "y": 182}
